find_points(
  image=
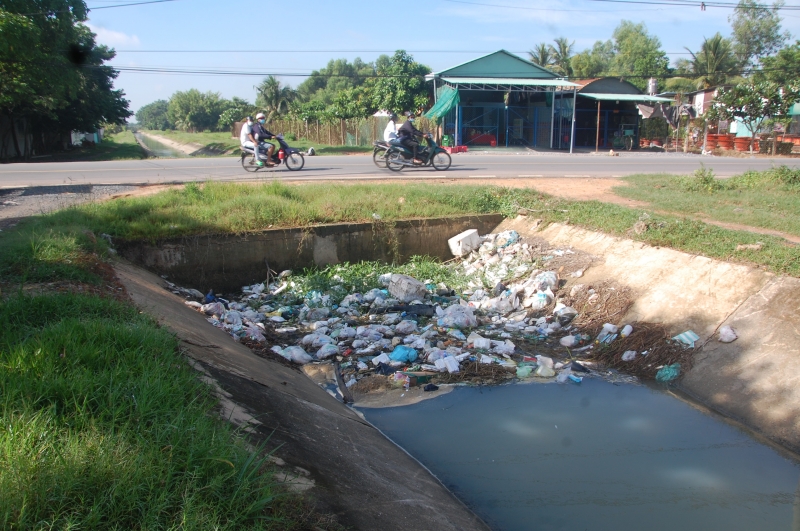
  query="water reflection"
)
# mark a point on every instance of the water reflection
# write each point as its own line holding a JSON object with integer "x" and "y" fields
{"x": 596, "y": 456}
{"x": 159, "y": 149}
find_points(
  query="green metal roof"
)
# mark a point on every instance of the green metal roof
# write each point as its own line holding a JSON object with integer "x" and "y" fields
{"x": 499, "y": 64}
{"x": 509, "y": 81}
{"x": 626, "y": 97}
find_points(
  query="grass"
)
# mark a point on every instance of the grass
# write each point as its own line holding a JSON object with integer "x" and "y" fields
{"x": 223, "y": 142}
{"x": 106, "y": 427}
{"x": 64, "y": 244}
{"x": 120, "y": 146}
{"x": 769, "y": 199}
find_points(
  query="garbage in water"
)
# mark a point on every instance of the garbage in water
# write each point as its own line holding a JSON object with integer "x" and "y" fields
{"x": 507, "y": 308}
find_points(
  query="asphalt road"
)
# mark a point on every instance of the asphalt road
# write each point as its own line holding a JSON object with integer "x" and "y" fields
{"x": 476, "y": 167}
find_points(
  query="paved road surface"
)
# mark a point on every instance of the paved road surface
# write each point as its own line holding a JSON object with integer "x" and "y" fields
{"x": 476, "y": 167}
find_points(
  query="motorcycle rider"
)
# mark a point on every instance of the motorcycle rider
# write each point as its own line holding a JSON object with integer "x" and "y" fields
{"x": 260, "y": 134}
{"x": 407, "y": 134}
{"x": 390, "y": 133}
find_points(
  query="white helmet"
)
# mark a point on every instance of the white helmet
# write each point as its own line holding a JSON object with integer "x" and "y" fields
{"x": 260, "y": 116}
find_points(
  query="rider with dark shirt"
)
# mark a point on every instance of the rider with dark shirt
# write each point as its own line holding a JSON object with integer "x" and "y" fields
{"x": 406, "y": 133}
{"x": 262, "y": 135}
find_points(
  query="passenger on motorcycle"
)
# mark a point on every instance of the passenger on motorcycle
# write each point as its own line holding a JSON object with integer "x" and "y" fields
{"x": 246, "y": 136}
{"x": 407, "y": 134}
{"x": 390, "y": 133}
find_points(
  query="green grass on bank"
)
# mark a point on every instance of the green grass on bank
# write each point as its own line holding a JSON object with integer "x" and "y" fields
{"x": 120, "y": 146}
{"x": 768, "y": 199}
{"x": 223, "y": 142}
{"x": 59, "y": 245}
{"x": 106, "y": 427}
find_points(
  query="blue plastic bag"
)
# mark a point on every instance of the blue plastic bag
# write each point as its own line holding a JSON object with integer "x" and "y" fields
{"x": 668, "y": 373}
{"x": 403, "y": 353}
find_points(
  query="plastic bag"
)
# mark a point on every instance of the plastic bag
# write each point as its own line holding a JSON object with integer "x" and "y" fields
{"x": 405, "y": 327}
{"x": 547, "y": 280}
{"x": 668, "y": 373}
{"x": 327, "y": 351}
{"x": 629, "y": 355}
{"x": 727, "y": 334}
{"x": 403, "y": 353}
{"x": 457, "y": 316}
{"x": 524, "y": 371}
{"x": 565, "y": 314}
{"x": 296, "y": 354}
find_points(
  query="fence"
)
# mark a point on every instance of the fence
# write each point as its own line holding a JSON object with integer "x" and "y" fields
{"x": 355, "y": 132}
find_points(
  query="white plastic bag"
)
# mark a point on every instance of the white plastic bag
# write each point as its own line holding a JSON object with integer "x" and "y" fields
{"x": 727, "y": 334}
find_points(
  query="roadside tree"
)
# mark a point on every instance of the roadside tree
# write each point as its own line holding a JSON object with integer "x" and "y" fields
{"x": 194, "y": 111}
{"x": 783, "y": 67}
{"x": 542, "y": 55}
{"x": 273, "y": 98}
{"x": 399, "y": 84}
{"x": 154, "y": 116}
{"x": 637, "y": 55}
{"x": 714, "y": 64}
{"x": 756, "y": 31}
{"x": 754, "y": 103}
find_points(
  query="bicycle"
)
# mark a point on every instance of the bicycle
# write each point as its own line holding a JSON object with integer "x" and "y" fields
{"x": 623, "y": 139}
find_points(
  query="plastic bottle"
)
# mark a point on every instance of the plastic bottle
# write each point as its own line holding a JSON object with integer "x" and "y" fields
{"x": 626, "y": 331}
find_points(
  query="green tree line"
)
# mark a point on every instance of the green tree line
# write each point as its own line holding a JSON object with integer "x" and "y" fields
{"x": 341, "y": 90}
{"x": 53, "y": 77}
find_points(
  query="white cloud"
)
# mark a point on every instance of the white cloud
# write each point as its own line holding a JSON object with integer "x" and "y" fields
{"x": 113, "y": 38}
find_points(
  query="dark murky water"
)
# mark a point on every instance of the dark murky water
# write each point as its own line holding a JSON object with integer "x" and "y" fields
{"x": 160, "y": 149}
{"x": 595, "y": 456}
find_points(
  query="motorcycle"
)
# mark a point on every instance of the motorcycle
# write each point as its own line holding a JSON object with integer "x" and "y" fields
{"x": 291, "y": 157}
{"x": 399, "y": 156}
{"x": 379, "y": 149}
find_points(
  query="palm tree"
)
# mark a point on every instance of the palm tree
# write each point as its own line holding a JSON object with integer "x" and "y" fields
{"x": 714, "y": 63}
{"x": 562, "y": 52}
{"x": 273, "y": 98}
{"x": 542, "y": 55}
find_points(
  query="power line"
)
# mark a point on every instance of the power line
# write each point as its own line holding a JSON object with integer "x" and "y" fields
{"x": 483, "y": 52}
{"x": 671, "y": 3}
{"x": 92, "y": 8}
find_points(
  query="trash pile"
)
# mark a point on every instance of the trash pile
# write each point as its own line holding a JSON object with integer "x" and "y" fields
{"x": 521, "y": 312}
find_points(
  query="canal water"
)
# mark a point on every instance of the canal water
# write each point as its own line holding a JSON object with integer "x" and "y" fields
{"x": 159, "y": 149}
{"x": 595, "y": 456}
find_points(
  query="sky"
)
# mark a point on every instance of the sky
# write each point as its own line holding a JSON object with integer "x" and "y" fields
{"x": 290, "y": 40}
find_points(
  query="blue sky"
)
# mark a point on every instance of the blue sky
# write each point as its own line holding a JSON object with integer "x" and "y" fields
{"x": 438, "y": 33}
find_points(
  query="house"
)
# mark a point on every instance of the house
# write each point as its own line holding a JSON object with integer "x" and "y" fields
{"x": 606, "y": 112}
{"x": 501, "y": 99}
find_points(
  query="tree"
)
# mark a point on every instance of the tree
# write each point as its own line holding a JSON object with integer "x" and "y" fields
{"x": 273, "y": 98}
{"x": 714, "y": 63}
{"x": 783, "y": 67}
{"x": 52, "y": 70}
{"x": 234, "y": 110}
{"x": 194, "y": 111}
{"x": 399, "y": 84}
{"x": 542, "y": 55}
{"x": 154, "y": 116}
{"x": 594, "y": 62}
{"x": 338, "y": 75}
{"x": 754, "y": 103}
{"x": 637, "y": 54}
{"x": 756, "y": 31}
{"x": 562, "y": 53}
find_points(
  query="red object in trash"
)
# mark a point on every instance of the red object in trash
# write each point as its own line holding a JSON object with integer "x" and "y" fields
{"x": 347, "y": 352}
{"x": 281, "y": 154}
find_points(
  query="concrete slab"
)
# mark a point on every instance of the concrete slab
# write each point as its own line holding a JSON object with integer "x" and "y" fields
{"x": 356, "y": 472}
{"x": 756, "y": 379}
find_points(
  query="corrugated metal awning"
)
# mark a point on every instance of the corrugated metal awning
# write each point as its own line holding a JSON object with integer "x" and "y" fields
{"x": 521, "y": 82}
{"x": 627, "y": 97}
